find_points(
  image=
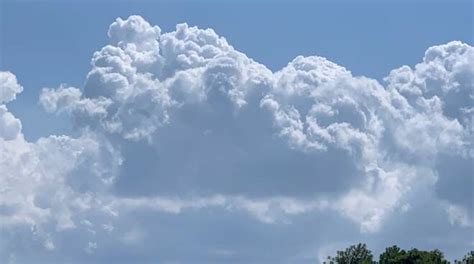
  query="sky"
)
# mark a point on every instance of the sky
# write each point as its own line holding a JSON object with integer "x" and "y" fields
{"x": 247, "y": 132}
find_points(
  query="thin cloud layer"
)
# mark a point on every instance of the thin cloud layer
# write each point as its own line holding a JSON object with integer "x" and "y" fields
{"x": 182, "y": 124}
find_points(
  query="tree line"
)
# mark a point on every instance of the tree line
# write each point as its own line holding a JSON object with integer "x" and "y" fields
{"x": 360, "y": 254}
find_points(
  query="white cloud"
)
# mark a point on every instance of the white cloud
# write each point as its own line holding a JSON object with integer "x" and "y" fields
{"x": 91, "y": 247}
{"x": 53, "y": 180}
{"x": 139, "y": 91}
{"x": 314, "y": 104}
{"x": 459, "y": 215}
{"x": 53, "y": 184}
{"x": 10, "y": 126}
{"x": 266, "y": 210}
{"x": 9, "y": 87}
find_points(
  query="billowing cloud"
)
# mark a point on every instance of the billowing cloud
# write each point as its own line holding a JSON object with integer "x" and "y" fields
{"x": 50, "y": 185}
{"x": 9, "y": 87}
{"x": 181, "y": 123}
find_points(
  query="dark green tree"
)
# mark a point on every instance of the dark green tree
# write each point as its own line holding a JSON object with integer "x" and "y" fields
{"x": 355, "y": 254}
{"x": 395, "y": 255}
{"x": 468, "y": 259}
{"x": 359, "y": 254}
{"x": 419, "y": 256}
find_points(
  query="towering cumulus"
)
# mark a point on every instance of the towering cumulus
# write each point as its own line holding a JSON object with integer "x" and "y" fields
{"x": 178, "y": 131}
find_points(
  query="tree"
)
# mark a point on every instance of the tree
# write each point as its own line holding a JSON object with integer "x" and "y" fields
{"x": 468, "y": 259}
{"x": 419, "y": 256}
{"x": 359, "y": 254}
{"x": 355, "y": 254}
{"x": 395, "y": 255}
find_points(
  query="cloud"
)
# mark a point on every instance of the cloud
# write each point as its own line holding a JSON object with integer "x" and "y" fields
{"x": 50, "y": 185}
{"x": 10, "y": 126}
{"x": 459, "y": 215}
{"x": 9, "y": 87}
{"x": 314, "y": 105}
{"x": 181, "y": 124}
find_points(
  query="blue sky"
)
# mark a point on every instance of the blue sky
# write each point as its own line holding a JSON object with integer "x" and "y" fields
{"x": 288, "y": 131}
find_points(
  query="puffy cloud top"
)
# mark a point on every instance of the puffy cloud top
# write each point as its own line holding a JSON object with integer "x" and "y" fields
{"x": 10, "y": 127}
{"x": 154, "y": 90}
{"x": 9, "y": 87}
{"x": 133, "y": 30}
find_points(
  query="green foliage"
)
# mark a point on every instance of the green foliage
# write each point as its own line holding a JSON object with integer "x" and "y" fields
{"x": 395, "y": 255}
{"x": 468, "y": 259}
{"x": 355, "y": 254}
{"x": 360, "y": 254}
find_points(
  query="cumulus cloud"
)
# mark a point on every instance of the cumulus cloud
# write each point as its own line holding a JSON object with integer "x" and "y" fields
{"x": 313, "y": 105}
{"x": 49, "y": 185}
{"x": 9, "y": 87}
{"x": 182, "y": 122}
{"x": 10, "y": 126}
